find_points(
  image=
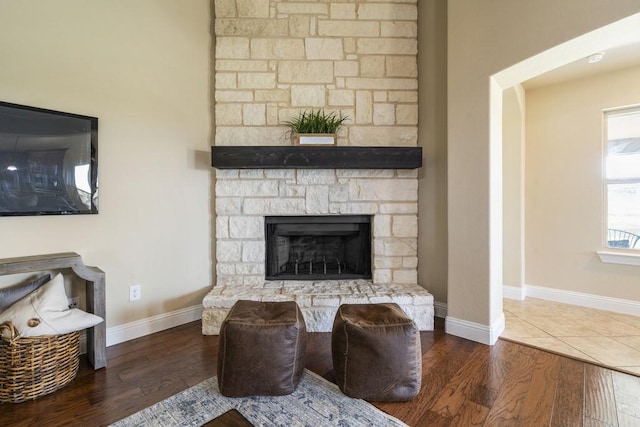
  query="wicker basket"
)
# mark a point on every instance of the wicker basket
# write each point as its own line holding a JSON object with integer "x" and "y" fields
{"x": 34, "y": 366}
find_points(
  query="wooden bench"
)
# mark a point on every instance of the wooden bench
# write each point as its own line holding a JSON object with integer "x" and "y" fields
{"x": 95, "y": 293}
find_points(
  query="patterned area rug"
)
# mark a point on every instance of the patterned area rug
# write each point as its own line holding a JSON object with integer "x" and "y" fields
{"x": 316, "y": 402}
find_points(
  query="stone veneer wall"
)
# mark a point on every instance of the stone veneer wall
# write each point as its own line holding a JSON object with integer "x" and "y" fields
{"x": 274, "y": 59}
{"x": 244, "y": 197}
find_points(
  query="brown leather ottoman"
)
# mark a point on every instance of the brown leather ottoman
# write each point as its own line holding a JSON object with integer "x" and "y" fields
{"x": 261, "y": 349}
{"x": 376, "y": 352}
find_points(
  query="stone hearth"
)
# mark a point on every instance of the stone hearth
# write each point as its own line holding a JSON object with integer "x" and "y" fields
{"x": 319, "y": 301}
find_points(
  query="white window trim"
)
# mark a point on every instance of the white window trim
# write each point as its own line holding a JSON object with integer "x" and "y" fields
{"x": 614, "y": 257}
{"x": 611, "y": 255}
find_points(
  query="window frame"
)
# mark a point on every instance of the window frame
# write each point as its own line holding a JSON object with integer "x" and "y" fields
{"x": 628, "y": 256}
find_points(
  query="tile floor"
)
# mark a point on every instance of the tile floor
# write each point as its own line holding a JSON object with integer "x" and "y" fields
{"x": 604, "y": 337}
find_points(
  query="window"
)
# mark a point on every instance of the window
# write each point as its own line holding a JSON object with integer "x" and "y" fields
{"x": 622, "y": 178}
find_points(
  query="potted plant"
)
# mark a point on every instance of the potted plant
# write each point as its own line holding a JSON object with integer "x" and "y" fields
{"x": 316, "y": 127}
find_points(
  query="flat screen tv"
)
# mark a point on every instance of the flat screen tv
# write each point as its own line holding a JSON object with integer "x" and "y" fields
{"x": 48, "y": 162}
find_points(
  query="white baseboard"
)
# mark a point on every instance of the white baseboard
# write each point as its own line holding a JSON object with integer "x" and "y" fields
{"x": 617, "y": 305}
{"x": 514, "y": 292}
{"x": 440, "y": 309}
{"x": 150, "y": 325}
{"x": 475, "y": 331}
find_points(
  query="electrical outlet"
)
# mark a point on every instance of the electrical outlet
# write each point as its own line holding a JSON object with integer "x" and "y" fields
{"x": 73, "y": 302}
{"x": 135, "y": 293}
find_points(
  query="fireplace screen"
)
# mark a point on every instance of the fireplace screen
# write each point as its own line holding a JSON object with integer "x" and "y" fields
{"x": 318, "y": 247}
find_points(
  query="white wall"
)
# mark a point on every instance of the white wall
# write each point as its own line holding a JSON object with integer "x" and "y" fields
{"x": 143, "y": 68}
{"x": 483, "y": 39}
{"x": 565, "y": 215}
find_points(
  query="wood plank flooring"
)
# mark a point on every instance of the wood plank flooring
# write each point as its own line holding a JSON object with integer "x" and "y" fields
{"x": 463, "y": 384}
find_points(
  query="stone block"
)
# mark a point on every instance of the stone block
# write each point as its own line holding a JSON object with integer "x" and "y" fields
{"x": 252, "y": 27}
{"x": 272, "y": 95}
{"x": 399, "y": 208}
{"x": 256, "y": 80}
{"x": 252, "y": 8}
{"x": 377, "y": 83}
{"x": 409, "y": 96}
{"x": 384, "y": 114}
{"x": 341, "y": 98}
{"x": 408, "y": 276}
{"x": 240, "y": 65}
{"x": 372, "y": 66}
{"x": 254, "y": 114}
{"x": 399, "y": 29}
{"x": 226, "y": 81}
{"x": 308, "y": 96}
{"x": 387, "y": 262}
{"x": 323, "y": 48}
{"x": 249, "y": 268}
{"x": 228, "y": 114}
{"x": 253, "y": 251}
{"x": 250, "y": 135}
{"x": 398, "y": 136}
{"x": 388, "y": 11}
{"x": 346, "y": 69}
{"x": 382, "y": 226}
{"x": 405, "y": 226}
{"x": 407, "y": 115}
{"x": 305, "y": 72}
{"x": 341, "y": 11}
{"x": 228, "y": 251}
{"x": 246, "y": 188}
{"x": 380, "y": 96}
{"x": 277, "y": 48}
{"x": 233, "y": 96}
{"x": 251, "y": 174}
{"x": 222, "y": 227}
{"x": 226, "y": 269}
{"x": 396, "y": 247}
{"x": 401, "y": 66}
{"x": 410, "y": 262}
{"x": 338, "y": 193}
{"x": 386, "y": 46}
{"x": 317, "y": 199}
{"x": 385, "y": 190}
{"x": 246, "y": 227}
{"x": 232, "y": 47}
{"x": 316, "y": 176}
{"x": 381, "y": 275}
{"x": 364, "y": 107}
{"x": 344, "y": 28}
{"x": 305, "y": 7}
{"x": 224, "y": 8}
{"x": 299, "y": 26}
{"x": 228, "y": 205}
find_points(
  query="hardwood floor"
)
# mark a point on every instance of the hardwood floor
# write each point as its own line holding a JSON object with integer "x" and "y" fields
{"x": 463, "y": 384}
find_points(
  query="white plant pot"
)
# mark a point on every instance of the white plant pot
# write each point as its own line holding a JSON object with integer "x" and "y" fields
{"x": 316, "y": 139}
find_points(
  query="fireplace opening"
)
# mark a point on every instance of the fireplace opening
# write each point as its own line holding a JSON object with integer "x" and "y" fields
{"x": 332, "y": 247}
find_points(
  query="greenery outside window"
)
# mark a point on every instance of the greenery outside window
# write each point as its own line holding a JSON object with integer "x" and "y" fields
{"x": 622, "y": 178}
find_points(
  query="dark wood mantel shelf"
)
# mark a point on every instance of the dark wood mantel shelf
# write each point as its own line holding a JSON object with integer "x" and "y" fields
{"x": 314, "y": 157}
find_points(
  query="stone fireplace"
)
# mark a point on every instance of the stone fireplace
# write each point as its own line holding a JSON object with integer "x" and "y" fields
{"x": 243, "y": 198}
{"x": 274, "y": 59}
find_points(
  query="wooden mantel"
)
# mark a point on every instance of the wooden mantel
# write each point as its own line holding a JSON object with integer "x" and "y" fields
{"x": 314, "y": 157}
{"x": 95, "y": 292}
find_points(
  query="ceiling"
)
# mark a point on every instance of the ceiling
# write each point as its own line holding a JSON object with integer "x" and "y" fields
{"x": 615, "y": 58}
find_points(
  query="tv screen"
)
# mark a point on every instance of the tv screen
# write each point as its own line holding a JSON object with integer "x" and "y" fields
{"x": 48, "y": 162}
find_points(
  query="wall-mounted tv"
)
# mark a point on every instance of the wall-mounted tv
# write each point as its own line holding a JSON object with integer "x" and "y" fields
{"x": 48, "y": 162}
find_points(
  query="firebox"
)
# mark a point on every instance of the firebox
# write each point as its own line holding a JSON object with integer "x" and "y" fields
{"x": 331, "y": 247}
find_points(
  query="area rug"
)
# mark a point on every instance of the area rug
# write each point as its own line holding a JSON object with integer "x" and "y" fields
{"x": 315, "y": 403}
